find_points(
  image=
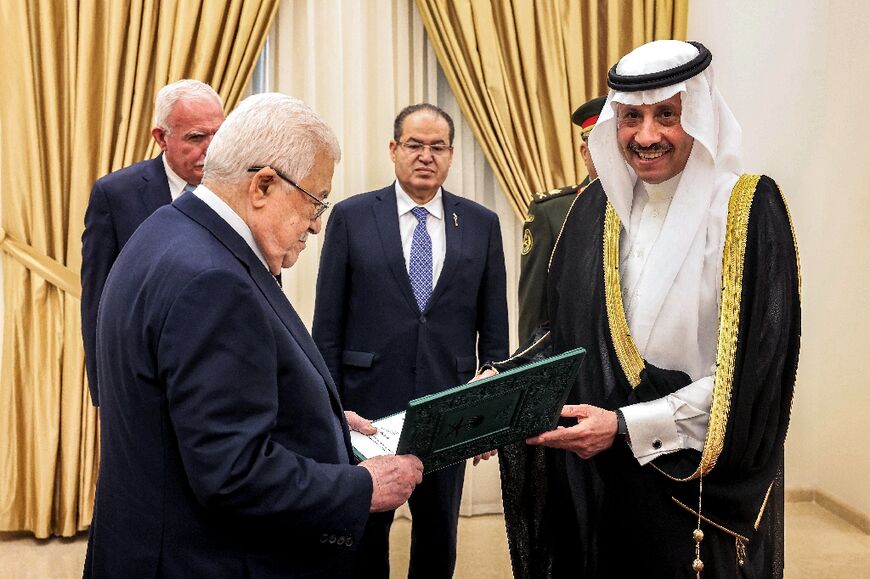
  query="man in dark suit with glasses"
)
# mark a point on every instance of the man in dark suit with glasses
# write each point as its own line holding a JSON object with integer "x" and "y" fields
{"x": 410, "y": 295}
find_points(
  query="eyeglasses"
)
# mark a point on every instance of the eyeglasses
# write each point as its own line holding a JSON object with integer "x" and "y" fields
{"x": 415, "y": 148}
{"x": 322, "y": 206}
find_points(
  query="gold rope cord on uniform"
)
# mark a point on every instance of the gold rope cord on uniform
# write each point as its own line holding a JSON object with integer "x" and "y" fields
{"x": 626, "y": 350}
{"x": 561, "y": 229}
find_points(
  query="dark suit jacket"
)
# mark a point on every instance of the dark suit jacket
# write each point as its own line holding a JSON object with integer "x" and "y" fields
{"x": 119, "y": 202}
{"x": 381, "y": 351}
{"x": 224, "y": 447}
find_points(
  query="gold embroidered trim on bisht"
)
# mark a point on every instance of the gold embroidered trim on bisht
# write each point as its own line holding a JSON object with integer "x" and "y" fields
{"x": 626, "y": 350}
{"x": 733, "y": 255}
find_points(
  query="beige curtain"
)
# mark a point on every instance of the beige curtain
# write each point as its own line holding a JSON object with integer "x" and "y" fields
{"x": 77, "y": 95}
{"x": 519, "y": 68}
{"x": 378, "y": 61}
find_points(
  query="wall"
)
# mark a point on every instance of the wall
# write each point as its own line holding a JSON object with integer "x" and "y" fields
{"x": 796, "y": 77}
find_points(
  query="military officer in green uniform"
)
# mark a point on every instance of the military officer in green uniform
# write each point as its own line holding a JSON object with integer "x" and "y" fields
{"x": 547, "y": 212}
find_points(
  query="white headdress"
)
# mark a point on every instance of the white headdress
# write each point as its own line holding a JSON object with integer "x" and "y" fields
{"x": 681, "y": 277}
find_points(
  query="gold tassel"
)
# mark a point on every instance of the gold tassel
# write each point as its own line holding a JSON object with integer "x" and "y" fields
{"x": 741, "y": 551}
{"x": 698, "y": 534}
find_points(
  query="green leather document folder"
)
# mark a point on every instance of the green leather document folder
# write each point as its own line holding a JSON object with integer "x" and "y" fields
{"x": 456, "y": 424}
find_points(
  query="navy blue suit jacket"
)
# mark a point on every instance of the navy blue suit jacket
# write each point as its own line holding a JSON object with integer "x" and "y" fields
{"x": 381, "y": 350}
{"x": 225, "y": 452}
{"x": 119, "y": 203}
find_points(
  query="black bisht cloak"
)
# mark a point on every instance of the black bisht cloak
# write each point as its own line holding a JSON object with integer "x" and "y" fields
{"x": 609, "y": 516}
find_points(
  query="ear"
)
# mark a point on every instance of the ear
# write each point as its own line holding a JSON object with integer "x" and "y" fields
{"x": 159, "y": 136}
{"x": 261, "y": 184}
{"x": 393, "y": 146}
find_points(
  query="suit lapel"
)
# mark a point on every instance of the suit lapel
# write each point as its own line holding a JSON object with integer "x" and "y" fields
{"x": 282, "y": 306}
{"x": 453, "y": 228}
{"x": 193, "y": 207}
{"x": 284, "y": 309}
{"x": 154, "y": 190}
{"x": 386, "y": 213}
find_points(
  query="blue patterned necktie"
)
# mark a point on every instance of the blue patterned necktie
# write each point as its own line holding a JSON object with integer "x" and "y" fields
{"x": 420, "y": 261}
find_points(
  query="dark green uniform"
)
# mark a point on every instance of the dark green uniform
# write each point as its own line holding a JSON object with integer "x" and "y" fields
{"x": 547, "y": 212}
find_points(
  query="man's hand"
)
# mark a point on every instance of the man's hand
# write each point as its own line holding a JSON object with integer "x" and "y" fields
{"x": 358, "y": 423}
{"x": 594, "y": 432}
{"x": 393, "y": 479}
{"x": 485, "y": 374}
{"x": 483, "y": 456}
{"x": 490, "y": 453}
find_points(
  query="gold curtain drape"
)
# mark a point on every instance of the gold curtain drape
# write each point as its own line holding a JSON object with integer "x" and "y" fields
{"x": 519, "y": 68}
{"x": 77, "y": 99}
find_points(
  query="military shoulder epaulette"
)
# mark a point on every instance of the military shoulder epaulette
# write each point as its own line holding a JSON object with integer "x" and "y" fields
{"x": 555, "y": 193}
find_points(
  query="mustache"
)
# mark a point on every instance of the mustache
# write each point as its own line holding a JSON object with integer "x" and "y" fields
{"x": 654, "y": 148}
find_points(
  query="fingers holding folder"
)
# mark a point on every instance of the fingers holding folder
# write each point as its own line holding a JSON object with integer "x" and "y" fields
{"x": 393, "y": 480}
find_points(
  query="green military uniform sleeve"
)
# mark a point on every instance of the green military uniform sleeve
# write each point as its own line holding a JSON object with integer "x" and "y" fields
{"x": 547, "y": 212}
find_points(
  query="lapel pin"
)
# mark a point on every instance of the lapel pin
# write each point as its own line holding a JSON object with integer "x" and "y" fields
{"x": 455, "y": 220}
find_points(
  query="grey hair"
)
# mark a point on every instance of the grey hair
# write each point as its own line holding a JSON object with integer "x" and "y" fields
{"x": 185, "y": 89}
{"x": 269, "y": 129}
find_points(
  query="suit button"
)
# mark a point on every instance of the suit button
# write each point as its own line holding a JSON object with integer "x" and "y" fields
{"x": 324, "y": 537}
{"x": 332, "y": 539}
{"x": 340, "y": 541}
{"x": 657, "y": 444}
{"x": 349, "y": 541}
{"x": 422, "y": 319}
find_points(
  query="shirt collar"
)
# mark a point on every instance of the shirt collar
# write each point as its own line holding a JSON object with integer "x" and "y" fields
{"x": 176, "y": 183}
{"x": 404, "y": 202}
{"x": 232, "y": 218}
{"x": 663, "y": 191}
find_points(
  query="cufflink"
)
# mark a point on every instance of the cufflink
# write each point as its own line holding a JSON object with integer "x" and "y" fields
{"x": 657, "y": 444}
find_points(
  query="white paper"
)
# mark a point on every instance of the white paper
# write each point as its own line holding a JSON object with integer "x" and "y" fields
{"x": 384, "y": 442}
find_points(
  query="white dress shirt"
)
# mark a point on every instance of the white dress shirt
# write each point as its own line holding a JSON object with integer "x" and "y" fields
{"x": 678, "y": 420}
{"x": 434, "y": 225}
{"x": 176, "y": 183}
{"x": 232, "y": 218}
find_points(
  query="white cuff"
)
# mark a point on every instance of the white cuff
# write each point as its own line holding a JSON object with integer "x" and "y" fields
{"x": 651, "y": 429}
{"x": 671, "y": 423}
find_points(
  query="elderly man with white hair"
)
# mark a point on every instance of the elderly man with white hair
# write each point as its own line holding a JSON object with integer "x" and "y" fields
{"x": 225, "y": 448}
{"x": 679, "y": 275}
{"x": 187, "y": 113}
